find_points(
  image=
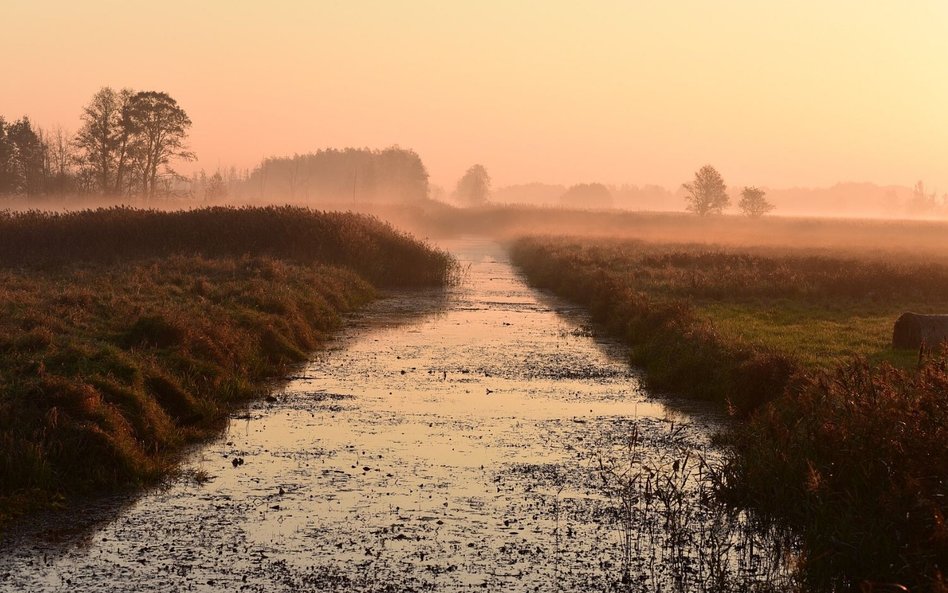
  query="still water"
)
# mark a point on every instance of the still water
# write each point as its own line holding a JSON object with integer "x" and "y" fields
{"x": 480, "y": 438}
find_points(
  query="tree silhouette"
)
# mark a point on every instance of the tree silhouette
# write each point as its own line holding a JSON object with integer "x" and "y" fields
{"x": 159, "y": 131}
{"x": 29, "y": 157}
{"x": 6, "y": 159}
{"x": 24, "y": 158}
{"x": 128, "y": 139}
{"x": 124, "y": 137}
{"x": 98, "y": 138}
{"x": 474, "y": 187}
{"x": 707, "y": 193}
{"x": 753, "y": 203}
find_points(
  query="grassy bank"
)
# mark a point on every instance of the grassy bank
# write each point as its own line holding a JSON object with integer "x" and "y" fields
{"x": 847, "y": 449}
{"x": 125, "y": 334}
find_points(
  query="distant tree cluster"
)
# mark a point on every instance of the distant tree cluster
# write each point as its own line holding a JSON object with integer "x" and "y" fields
{"x": 359, "y": 174}
{"x": 219, "y": 186}
{"x": 126, "y": 145}
{"x": 128, "y": 140}
{"x": 707, "y": 194}
{"x": 924, "y": 202}
{"x": 587, "y": 196}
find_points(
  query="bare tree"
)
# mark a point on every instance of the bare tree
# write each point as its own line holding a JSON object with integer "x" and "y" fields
{"x": 97, "y": 139}
{"x": 124, "y": 137}
{"x": 160, "y": 130}
{"x": 707, "y": 193}
{"x": 753, "y": 203}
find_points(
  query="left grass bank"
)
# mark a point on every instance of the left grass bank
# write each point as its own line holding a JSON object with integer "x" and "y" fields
{"x": 126, "y": 334}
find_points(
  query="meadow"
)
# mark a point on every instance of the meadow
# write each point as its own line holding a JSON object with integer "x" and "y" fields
{"x": 838, "y": 434}
{"x": 909, "y": 240}
{"x": 126, "y": 334}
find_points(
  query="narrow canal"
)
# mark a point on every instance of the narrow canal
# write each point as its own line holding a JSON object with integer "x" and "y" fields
{"x": 478, "y": 439}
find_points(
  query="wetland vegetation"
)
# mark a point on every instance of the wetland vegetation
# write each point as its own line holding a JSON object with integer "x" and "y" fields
{"x": 127, "y": 334}
{"x": 839, "y": 435}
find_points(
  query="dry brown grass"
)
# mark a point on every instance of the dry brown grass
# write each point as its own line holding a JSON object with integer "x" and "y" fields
{"x": 125, "y": 334}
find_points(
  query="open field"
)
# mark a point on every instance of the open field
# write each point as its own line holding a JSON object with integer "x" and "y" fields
{"x": 127, "y": 334}
{"x": 822, "y": 308}
{"x": 849, "y": 451}
{"x": 909, "y": 240}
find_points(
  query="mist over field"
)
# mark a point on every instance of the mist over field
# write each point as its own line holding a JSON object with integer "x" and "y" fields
{"x": 833, "y": 110}
{"x": 529, "y": 296}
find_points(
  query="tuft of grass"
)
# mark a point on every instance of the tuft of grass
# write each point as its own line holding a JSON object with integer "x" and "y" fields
{"x": 125, "y": 334}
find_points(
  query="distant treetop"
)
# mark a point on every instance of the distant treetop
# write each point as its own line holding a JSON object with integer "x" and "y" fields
{"x": 707, "y": 193}
{"x": 753, "y": 203}
{"x": 473, "y": 188}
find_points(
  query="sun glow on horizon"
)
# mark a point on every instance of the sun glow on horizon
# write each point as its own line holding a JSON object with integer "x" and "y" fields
{"x": 796, "y": 94}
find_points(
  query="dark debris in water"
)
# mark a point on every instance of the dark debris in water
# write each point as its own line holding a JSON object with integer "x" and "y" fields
{"x": 478, "y": 440}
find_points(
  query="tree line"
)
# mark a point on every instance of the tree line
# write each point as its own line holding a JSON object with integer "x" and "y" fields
{"x": 126, "y": 144}
{"x": 358, "y": 174}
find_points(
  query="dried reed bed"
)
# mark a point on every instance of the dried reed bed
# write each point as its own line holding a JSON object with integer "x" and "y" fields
{"x": 374, "y": 249}
{"x": 125, "y": 334}
{"x": 856, "y": 460}
{"x": 852, "y": 455}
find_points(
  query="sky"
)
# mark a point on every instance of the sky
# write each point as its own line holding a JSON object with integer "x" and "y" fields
{"x": 777, "y": 94}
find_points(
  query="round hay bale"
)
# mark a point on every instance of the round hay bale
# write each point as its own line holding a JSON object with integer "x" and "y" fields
{"x": 912, "y": 330}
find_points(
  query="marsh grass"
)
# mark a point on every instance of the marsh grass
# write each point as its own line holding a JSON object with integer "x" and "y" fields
{"x": 674, "y": 532}
{"x": 834, "y": 441}
{"x": 126, "y": 334}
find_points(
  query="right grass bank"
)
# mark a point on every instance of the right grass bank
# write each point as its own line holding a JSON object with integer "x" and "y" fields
{"x": 836, "y": 433}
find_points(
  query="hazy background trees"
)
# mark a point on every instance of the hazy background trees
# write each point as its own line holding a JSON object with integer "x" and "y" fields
{"x": 128, "y": 144}
{"x": 707, "y": 193}
{"x": 594, "y": 196}
{"x": 473, "y": 188}
{"x": 357, "y": 174}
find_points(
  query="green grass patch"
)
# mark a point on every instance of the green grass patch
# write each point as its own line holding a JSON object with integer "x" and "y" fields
{"x": 819, "y": 337}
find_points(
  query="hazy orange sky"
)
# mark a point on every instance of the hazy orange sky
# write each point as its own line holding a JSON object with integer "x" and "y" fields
{"x": 771, "y": 93}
